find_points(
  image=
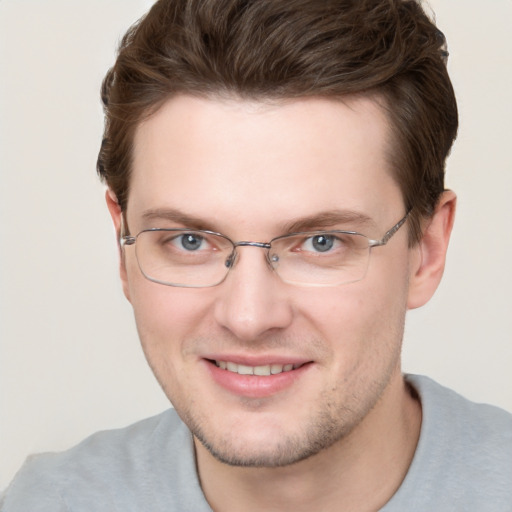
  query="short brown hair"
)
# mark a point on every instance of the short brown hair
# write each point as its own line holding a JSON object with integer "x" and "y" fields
{"x": 272, "y": 49}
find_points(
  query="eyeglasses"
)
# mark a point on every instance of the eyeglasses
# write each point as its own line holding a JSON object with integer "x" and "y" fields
{"x": 193, "y": 258}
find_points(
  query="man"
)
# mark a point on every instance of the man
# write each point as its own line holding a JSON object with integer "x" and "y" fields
{"x": 275, "y": 177}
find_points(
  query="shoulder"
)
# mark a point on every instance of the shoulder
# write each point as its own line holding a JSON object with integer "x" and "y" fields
{"x": 463, "y": 460}
{"x": 112, "y": 470}
{"x": 443, "y": 407}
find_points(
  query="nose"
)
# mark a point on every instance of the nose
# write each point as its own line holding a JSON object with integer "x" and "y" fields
{"x": 253, "y": 301}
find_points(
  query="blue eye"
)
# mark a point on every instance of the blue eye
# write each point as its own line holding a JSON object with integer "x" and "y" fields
{"x": 322, "y": 243}
{"x": 191, "y": 242}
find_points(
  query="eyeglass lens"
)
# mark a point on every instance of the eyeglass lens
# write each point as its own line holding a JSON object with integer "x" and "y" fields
{"x": 200, "y": 259}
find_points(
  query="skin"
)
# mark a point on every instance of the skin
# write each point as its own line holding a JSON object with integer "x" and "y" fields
{"x": 341, "y": 434}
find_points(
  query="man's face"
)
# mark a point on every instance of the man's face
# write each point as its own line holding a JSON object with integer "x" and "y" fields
{"x": 249, "y": 171}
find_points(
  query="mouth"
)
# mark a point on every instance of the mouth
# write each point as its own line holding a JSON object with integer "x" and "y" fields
{"x": 260, "y": 378}
{"x": 261, "y": 371}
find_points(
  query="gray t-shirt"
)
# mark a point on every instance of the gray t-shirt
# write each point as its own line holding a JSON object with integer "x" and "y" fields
{"x": 463, "y": 462}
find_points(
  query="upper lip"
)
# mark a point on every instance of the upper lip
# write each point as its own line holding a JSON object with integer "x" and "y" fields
{"x": 260, "y": 360}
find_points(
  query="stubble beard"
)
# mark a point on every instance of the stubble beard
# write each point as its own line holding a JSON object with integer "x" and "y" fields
{"x": 337, "y": 412}
{"x": 324, "y": 428}
{"x": 287, "y": 450}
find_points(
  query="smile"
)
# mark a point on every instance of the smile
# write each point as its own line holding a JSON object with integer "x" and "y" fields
{"x": 264, "y": 370}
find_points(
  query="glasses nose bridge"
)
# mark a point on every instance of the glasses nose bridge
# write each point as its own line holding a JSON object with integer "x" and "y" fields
{"x": 246, "y": 243}
{"x": 262, "y": 245}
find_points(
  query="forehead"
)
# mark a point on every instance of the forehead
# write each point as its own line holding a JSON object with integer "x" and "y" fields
{"x": 253, "y": 163}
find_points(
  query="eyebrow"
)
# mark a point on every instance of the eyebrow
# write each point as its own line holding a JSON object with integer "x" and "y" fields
{"x": 177, "y": 217}
{"x": 328, "y": 219}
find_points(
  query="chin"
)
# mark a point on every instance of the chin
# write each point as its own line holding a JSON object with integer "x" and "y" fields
{"x": 269, "y": 446}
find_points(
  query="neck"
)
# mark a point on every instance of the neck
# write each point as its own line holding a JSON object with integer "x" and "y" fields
{"x": 359, "y": 472}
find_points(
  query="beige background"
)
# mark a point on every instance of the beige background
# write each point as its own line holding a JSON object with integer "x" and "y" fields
{"x": 70, "y": 362}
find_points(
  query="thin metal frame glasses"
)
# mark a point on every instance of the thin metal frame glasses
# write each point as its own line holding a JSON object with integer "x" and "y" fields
{"x": 193, "y": 258}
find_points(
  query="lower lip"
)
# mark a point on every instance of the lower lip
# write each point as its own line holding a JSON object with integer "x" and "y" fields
{"x": 255, "y": 386}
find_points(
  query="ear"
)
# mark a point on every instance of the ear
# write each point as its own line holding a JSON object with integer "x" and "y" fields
{"x": 117, "y": 218}
{"x": 429, "y": 256}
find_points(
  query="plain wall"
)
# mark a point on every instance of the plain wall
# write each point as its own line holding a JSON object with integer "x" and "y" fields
{"x": 70, "y": 361}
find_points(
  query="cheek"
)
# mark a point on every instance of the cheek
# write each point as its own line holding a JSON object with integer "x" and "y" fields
{"x": 166, "y": 318}
{"x": 360, "y": 321}
{"x": 165, "y": 315}
{"x": 156, "y": 305}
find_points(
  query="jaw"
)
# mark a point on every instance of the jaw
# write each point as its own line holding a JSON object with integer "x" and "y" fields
{"x": 388, "y": 433}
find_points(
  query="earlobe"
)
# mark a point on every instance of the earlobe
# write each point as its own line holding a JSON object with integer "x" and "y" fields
{"x": 428, "y": 258}
{"x": 117, "y": 218}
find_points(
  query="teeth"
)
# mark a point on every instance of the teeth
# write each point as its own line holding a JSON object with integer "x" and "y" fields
{"x": 245, "y": 370}
{"x": 265, "y": 370}
{"x": 276, "y": 368}
{"x": 232, "y": 367}
{"x": 262, "y": 370}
